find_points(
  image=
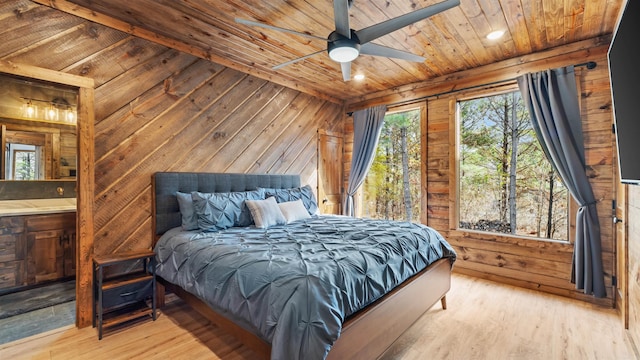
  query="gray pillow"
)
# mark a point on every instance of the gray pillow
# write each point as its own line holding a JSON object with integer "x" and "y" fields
{"x": 304, "y": 193}
{"x": 189, "y": 216}
{"x": 266, "y": 212}
{"x": 219, "y": 211}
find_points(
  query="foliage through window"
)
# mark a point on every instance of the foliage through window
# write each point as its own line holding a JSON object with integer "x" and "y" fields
{"x": 24, "y": 165}
{"x": 392, "y": 187}
{"x": 507, "y": 185}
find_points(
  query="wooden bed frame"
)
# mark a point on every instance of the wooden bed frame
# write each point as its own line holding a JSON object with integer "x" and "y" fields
{"x": 366, "y": 334}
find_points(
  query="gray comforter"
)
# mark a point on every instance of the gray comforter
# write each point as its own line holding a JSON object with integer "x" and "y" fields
{"x": 293, "y": 285}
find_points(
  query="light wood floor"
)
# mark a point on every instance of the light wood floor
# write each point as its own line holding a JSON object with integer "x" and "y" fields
{"x": 484, "y": 320}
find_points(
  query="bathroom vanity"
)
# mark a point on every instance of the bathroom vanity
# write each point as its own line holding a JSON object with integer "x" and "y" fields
{"x": 37, "y": 241}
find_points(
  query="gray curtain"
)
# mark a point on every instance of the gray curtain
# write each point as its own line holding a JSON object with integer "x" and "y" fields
{"x": 552, "y": 100}
{"x": 367, "y": 125}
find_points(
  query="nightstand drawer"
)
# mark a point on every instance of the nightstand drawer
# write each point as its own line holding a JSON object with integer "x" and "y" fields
{"x": 127, "y": 294}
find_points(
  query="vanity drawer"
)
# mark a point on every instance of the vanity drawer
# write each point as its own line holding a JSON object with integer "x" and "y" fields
{"x": 11, "y": 274}
{"x": 11, "y": 225}
{"x": 12, "y": 247}
{"x": 7, "y": 248}
{"x": 62, "y": 221}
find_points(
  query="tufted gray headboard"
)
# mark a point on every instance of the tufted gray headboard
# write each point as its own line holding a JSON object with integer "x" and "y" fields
{"x": 166, "y": 214}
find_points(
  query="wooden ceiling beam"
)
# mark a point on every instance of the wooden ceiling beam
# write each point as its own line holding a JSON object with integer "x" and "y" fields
{"x": 87, "y": 14}
{"x": 575, "y": 53}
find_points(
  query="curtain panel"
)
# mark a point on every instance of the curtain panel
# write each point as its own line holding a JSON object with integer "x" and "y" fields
{"x": 552, "y": 100}
{"x": 367, "y": 125}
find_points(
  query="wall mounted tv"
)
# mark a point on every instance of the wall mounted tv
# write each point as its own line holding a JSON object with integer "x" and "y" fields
{"x": 624, "y": 71}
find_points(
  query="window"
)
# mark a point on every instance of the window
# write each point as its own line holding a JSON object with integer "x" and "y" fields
{"x": 506, "y": 184}
{"x": 24, "y": 165}
{"x": 392, "y": 187}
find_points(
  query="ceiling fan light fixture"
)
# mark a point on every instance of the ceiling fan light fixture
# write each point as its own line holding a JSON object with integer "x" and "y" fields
{"x": 344, "y": 53}
{"x": 343, "y": 49}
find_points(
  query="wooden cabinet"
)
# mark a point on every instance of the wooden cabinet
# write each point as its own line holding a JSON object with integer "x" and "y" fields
{"x": 50, "y": 243}
{"x": 13, "y": 250}
{"x": 125, "y": 295}
{"x": 69, "y": 241}
{"x": 36, "y": 249}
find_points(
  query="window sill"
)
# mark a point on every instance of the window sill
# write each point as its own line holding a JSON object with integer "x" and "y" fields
{"x": 500, "y": 237}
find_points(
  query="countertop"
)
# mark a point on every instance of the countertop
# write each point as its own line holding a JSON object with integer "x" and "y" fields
{"x": 37, "y": 206}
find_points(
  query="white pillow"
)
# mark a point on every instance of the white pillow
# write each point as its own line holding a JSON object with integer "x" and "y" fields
{"x": 266, "y": 212}
{"x": 294, "y": 210}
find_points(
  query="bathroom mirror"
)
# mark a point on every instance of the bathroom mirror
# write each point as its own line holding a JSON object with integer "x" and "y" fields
{"x": 37, "y": 129}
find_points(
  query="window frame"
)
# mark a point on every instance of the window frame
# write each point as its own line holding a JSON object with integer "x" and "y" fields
{"x": 454, "y": 161}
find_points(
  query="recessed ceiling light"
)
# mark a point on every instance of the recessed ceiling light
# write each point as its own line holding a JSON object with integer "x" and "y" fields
{"x": 358, "y": 77}
{"x": 495, "y": 35}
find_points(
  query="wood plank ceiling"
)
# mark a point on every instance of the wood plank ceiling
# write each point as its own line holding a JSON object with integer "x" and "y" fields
{"x": 451, "y": 41}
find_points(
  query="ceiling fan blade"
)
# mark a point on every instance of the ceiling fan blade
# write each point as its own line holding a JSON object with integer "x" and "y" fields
{"x": 375, "y": 31}
{"x": 296, "y": 60}
{"x": 379, "y": 50}
{"x": 346, "y": 70}
{"x": 266, "y": 26}
{"x": 341, "y": 17}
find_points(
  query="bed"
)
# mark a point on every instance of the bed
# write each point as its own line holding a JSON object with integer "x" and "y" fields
{"x": 259, "y": 300}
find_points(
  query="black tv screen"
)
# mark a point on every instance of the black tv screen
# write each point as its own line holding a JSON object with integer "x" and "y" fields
{"x": 624, "y": 72}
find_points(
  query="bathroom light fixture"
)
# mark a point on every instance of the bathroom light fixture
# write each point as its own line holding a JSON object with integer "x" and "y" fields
{"x": 30, "y": 111}
{"x": 51, "y": 113}
{"x": 56, "y": 110}
{"x": 71, "y": 115}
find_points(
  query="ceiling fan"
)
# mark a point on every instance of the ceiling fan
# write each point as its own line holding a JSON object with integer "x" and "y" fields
{"x": 345, "y": 44}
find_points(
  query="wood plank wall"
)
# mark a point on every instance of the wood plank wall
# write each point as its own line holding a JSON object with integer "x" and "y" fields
{"x": 158, "y": 109}
{"x": 541, "y": 265}
{"x": 633, "y": 236}
{"x": 68, "y": 153}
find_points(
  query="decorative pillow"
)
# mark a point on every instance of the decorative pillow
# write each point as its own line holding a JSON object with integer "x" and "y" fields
{"x": 294, "y": 210}
{"x": 303, "y": 193}
{"x": 266, "y": 212}
{"x": 189, "y": 216}
{"x": 219, "y": 211}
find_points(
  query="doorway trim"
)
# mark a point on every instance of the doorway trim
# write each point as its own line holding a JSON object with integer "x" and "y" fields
{"x": 85, "y": 182}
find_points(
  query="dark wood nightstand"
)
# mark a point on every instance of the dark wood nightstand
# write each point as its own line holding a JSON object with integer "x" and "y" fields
{"x": 128, "y": 294}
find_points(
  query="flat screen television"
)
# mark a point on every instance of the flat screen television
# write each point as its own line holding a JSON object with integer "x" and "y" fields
{"x": 624, "y": 73}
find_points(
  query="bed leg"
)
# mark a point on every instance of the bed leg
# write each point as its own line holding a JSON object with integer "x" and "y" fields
{"x": 160, "y": 295}
{"x": 443, "y": 301}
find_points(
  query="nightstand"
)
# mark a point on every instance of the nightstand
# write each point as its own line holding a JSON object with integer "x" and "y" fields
{"x": 128, "y": 294}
